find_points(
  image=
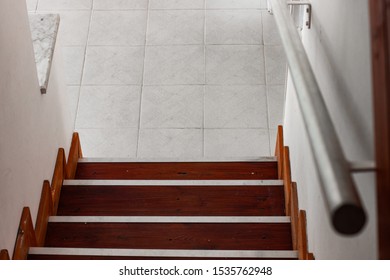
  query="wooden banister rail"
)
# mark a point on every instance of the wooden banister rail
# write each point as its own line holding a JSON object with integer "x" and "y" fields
{"x": 298, "y": 217}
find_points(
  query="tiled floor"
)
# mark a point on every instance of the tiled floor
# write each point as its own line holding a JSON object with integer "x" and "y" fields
{"x": 172, "y": 78}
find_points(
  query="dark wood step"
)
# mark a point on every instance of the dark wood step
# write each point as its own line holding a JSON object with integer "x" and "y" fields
{"x": 226, "y": 236}
{"x": 178, "y": 170}
{"x": 265, "y": 200}
{"x": 110, "y": 254}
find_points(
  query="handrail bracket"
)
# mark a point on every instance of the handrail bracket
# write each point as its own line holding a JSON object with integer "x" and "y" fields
{"x": 308, "y": 10}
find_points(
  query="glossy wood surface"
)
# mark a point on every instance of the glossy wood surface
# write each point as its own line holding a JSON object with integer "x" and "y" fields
{"x": 44, "y": 212}
{"x": 178, "y": 171}
{"x": 261, "y": 236}
{"x": 26, "y": 236}
{"x": 172, "y": 201}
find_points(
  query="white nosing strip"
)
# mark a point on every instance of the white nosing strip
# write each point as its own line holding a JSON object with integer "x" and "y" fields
{"x": 173, "y": 160}
{"x": 170, "y": 219}
{"x": 173, "y": 183}
{"x": 274, "y": 254}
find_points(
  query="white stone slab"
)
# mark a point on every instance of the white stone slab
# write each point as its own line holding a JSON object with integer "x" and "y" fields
{"x": 44, "y": 29}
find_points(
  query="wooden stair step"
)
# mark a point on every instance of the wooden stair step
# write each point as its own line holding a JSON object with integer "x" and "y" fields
{"x": 165, "y": 198}
{"x": 36, "y": 253}
{"x": 217, "y": 236}
{"x": 235, "y": 170}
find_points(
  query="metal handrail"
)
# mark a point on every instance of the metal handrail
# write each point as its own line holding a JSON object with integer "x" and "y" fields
{"x": 342, "y": 200}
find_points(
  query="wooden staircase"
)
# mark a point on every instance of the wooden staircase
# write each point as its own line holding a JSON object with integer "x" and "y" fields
{"x": 121, "y": 209}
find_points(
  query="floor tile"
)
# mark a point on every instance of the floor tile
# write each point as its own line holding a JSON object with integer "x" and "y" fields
{"x": 120, "y": 4}
{"x": 234, "y": 65}
{"x": 272, "y": 136}
{"x": 276, "y": 100}
{"x": 117, "y": 28}
{"x": 176, "y": 4}
{"x": 31, "y": 5}
{"x": 270, "y": 31}
{"x": 234, "y": 27}
{"x": 236, "y": 107}
{"x": 113, "y": 65}
{"x": 170, "y": 143}
{"x": 74, "y": 27}
{"x": 109, "y": 107}
{"x": 174, "y": 65}
{"x": 232, "y": 4}
{"x": 65, "y": 4}
{"x": 172, "y": 107}
{"x": 109, "y": 142}
{"x": 263, "y": 4}
{"x": 221, "y": 143}
{"x": 170, "y": 27}
{"x": 73, "y": 58}
{"x": 276, "y": 65}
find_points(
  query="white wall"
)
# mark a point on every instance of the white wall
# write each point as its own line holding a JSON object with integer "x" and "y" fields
{"x": 32, "y": 126}
{"x": 338, "y": 46}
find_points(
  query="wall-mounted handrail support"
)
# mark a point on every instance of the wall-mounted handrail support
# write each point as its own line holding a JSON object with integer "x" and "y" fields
{"x": 297, "y": 3}
{"x": 340, "y": 194}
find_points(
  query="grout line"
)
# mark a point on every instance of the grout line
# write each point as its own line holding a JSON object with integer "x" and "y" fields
{"x": 205, "y": 80}
{"x": 83, "y": 66}
{"x": 266, "y": 86}
{"x": 142, "y": 82}
{"x": 173, "y": 45}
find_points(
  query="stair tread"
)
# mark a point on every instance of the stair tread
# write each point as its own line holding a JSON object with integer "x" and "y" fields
{"x": 177, "y": 170}
{"x": 167, "y": 253}
{"x": 169, "y": 219}
{"x": 225, "y": 183}
{"x": 228, "y": 236}
{"x": 187, "y": 200}
{"x": 162, "y": 159}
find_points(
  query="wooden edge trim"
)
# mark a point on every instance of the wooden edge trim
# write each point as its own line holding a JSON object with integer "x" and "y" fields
{"x": 58, "y": 178}
{"x": 26, "y": 236}
{"x": 74, "y": 154}
{"x": 287, "y": 179}
{"x": 4, "y": 256}
{"x": 44, "y": 212}
{"x": 294, "y": 213}
{"x": 310, "y": 257}
{"x": 302, "y": 236}
{"x": 279, "y": 151}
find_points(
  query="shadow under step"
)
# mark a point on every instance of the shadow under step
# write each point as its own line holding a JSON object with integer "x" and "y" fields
{"x": 43, "y": 253}
{"x": 264, "y": 168}
{"x": 168, "y": 198}
{"x": 234, "y": 233}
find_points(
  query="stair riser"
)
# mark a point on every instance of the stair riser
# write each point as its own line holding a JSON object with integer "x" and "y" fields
{"x": 262, "y": 236}
{"x": 171, "y": 201}
{"x": 179, "y": 171}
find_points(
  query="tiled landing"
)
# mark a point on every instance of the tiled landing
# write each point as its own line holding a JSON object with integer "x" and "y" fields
{"x": 172, "y": 78}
